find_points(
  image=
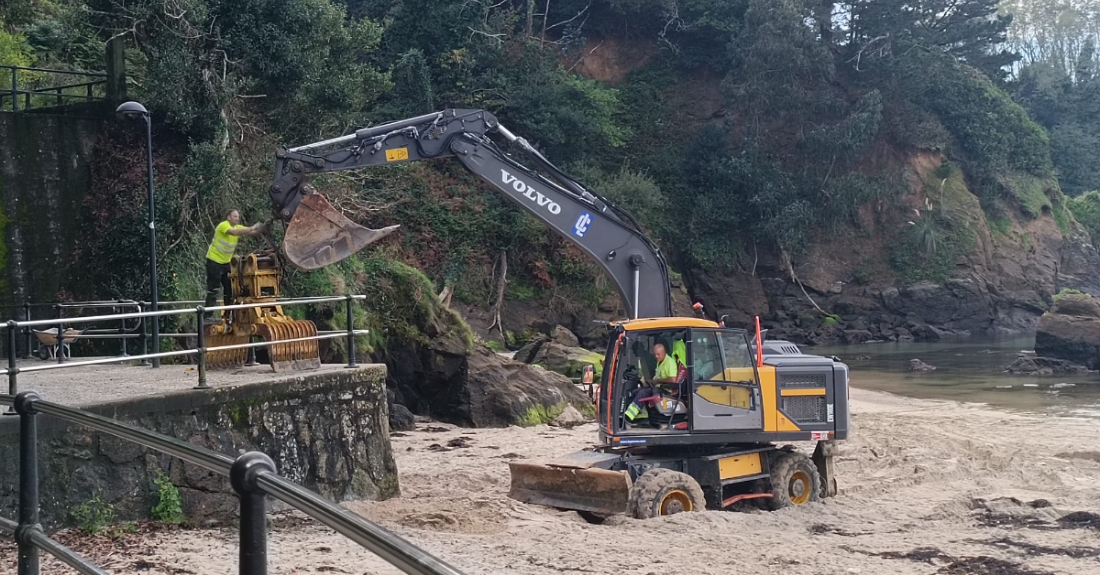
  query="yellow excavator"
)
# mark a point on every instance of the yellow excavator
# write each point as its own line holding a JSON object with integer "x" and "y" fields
{"x": 706, "y": 438}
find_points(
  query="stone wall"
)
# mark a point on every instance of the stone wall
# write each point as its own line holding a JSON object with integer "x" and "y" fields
{"x": 328, "y": 432}
{"x": 45, "y": 171}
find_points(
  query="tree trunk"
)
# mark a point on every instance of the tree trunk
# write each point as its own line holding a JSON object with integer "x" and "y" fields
{"x": 545, "y": 18}
{"x": 530, "y": 29}
{"x": 498, "y": 305}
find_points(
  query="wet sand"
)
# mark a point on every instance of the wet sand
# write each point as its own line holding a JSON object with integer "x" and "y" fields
{"x": 926, "y": 487}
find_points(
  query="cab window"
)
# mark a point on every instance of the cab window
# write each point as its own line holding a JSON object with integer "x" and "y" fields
{"x": 707, "y": 356}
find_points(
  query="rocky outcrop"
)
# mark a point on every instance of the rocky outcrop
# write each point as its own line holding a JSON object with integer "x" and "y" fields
{"x": 558, "y": 353}
{"x": 478, "y": 387}
{"x": 327, "y": 431}
{"x": 1071, "y": 331}
{"x": 1002, "y": 286}
{"x": 501, "y": 392}
{"x": 1027, "y": 364}
{"x": 918, "y": 366}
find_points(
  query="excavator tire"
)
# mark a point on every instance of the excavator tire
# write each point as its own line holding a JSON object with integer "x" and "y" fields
{"x": 794, "y": 481}
{"x": 665, "y": 492}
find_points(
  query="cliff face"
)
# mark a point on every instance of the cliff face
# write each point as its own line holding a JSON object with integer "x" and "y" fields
{"x": 1000, "y": 282}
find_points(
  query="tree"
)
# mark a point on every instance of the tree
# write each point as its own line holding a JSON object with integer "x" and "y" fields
{"x": 969, "y": 30}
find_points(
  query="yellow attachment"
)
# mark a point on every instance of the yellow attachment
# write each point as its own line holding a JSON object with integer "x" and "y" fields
{"x": 294, "y": 355}
{"x": 739, "y": 466}
{"x": 255, "y": 279}
{"x": 583, "y": 489}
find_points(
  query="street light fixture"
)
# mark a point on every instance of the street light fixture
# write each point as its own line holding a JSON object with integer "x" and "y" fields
{"x": 136, "y": 110}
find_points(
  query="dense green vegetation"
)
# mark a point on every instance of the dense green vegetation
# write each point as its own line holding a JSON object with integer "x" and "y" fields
{"x": 729, "y": 127}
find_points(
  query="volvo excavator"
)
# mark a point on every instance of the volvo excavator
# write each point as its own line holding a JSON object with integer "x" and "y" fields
{"x": 708, "y": 439}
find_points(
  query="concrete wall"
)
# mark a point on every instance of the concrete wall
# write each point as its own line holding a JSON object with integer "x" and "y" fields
{"x": 327, "y": 431}
{"x": 45, "y": 171}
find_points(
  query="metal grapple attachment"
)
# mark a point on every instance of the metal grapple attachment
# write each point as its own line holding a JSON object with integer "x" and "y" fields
{"x": 318, "y": 235}
{"x": 295, "y": 355}
{"x": 255, "y": 279}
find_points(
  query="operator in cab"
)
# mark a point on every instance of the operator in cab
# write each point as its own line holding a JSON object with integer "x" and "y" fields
{"x": 218, "y": 256}
{"x": 666, "y": 366}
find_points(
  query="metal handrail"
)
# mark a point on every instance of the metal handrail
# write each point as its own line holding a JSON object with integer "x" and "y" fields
{"x": 252, "y": 475}
{"x": 178, "y": 353}
{"x": 8, "y": 526}
{"x": 66, "y": 555}
{"x": 200, "y": 350}
{"x": 390, "y": 547}
{"x": 170, "y": 312}
{"x": 53, "y": 71}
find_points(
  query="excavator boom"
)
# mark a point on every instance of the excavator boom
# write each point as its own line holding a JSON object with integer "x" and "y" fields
{"x": 318, "y": 235}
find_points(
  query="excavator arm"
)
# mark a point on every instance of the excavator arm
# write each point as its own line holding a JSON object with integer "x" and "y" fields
{"x": 318, "y": 235}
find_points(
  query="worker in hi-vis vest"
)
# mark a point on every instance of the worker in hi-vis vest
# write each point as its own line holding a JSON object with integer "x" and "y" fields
{"x": 220, "y": 253}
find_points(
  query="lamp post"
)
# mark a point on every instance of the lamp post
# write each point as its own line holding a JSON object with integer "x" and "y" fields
{"x": 135, "y": 110}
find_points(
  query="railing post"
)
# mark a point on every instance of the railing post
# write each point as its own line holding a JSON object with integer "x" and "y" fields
{"x": 251, "y": 356}
{"x": 351, "y": 335}
{"x": 13, "y": 369}
{"x": 27, "y": 330}
{"x": 144, "y": 336}
{"x": 28, "y": 482}
{"x": 253, "y": 543}
{"x": 60, "y": 338}
{"x": 200, "y": 334}
{"x": 122, "y": 334}
{"x": 14, "y": 90}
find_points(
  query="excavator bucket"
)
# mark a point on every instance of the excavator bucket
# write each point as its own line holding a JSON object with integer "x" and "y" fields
{"x": 318, "y": 235}
{"x": 597, "y": 491}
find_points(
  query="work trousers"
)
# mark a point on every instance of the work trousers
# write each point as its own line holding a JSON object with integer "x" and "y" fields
{"x": 217, "y": 275}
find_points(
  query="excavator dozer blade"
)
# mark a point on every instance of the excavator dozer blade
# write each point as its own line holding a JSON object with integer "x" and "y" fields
{"x": 595, "y": 490}
{"x": 318, "y": 235}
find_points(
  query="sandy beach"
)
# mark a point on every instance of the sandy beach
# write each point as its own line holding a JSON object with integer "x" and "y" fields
{"x": 925, "y": 487}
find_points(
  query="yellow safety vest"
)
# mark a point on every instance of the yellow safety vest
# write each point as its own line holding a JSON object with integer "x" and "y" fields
{"x": 223, "y": 245}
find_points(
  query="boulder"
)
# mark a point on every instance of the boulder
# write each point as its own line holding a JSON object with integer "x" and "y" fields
{"x": 857, "y": 336}
{"x": 401, "y": 419}
{"x": 1026, "y": 364}
{"x": 918, "y": 366}
{"x": 1071, "y": 331}
{"x": 826, "y": 335}
{"x": 568, "y": 361}
{"x": 563, "y": 336}
{"x": 500, "y": 392}
{"x": 569, "y": 417}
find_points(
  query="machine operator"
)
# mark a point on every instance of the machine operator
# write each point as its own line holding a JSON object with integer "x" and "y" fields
{"x": 219, "y": 255}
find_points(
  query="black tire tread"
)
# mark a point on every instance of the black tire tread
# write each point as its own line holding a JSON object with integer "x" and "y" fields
{"x": 653, "y": 483}
{"x": 781, "y": 470}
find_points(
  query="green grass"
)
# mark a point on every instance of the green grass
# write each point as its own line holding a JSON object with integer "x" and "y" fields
{"x": 1029, "y": 192}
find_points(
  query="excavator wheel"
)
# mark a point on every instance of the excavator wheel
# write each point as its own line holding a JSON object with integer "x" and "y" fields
{"x": 794, "y": 481}
{"x": 665, "y": 492}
